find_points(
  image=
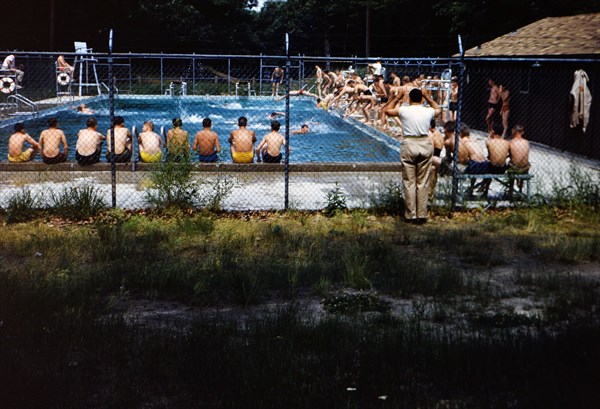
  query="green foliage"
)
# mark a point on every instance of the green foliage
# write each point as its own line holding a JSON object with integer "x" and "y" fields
{"x": 356, "y": 269}
{"x": 336, "y": 201}
{"x": 582, "y": 189}
{"x": 174, "y": 186}
{"x": 78, "y": 202}
{"x": 571, "y": 249}
{"x": 322, "y": 287}
{"x": 390, "y": 200}
{"x": 21, "y": 206}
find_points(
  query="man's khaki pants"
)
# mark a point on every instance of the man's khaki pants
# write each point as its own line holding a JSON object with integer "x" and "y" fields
{"x": 416, "y": 157}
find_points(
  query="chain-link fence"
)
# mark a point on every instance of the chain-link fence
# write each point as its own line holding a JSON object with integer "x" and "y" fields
{"x": 339, "y": 141}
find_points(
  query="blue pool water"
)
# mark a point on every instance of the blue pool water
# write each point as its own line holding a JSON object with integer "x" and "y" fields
{"x": 330, "y": 138}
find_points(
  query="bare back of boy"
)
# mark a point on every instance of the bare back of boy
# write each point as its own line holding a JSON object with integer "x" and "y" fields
{"x": 88, "y": 141}
{"x": 475, "y": 150}
{"x": 150, "y": 142}
{"x": 122, "y": 140}
{"x": 17, "y": 141}
{"x": 206, "y": 142}
{"x": 519, "y": 152}
{"x": 50, "y": 141}
{"x": 274, "y": 141}
{"x": 497, "y": 151}
{"x": 243, "y": 140}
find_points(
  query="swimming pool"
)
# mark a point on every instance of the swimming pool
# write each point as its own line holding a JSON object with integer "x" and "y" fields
{"x": 330, "y": 139}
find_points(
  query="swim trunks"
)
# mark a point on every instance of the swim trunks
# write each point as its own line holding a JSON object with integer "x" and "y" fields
{"x": 477, "y": 168}
{"x": 518, "y": 169}
{"x": 446, "y": 166}
{"x": 57, "y": 159}
{"x": 496, "y": 170}
{"x": 123, "y": 157}
{"x": 210, "y": 158}
{"x": 243, "y": 157}
{"x": 25, "y": 156}
{"x": 276, "y": 79}
{"x": 87, "y": 160}
{"x": 150, "y": 158}
{"x": 453, "y": 106}
{"x": 495, "y": 106}
{"x": 437, "y": 152}
{"x": 271, "y": 159}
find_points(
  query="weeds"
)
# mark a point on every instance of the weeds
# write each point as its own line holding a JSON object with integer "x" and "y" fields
{"x": 336, "y": 201}
{"x": 571, "y": 249}
{"x": 79, "y": 202}
{"x": 173, "y": 185}
{"x": 390, "y": 200}
{"x": 58, "y": 335}
{"x": 583, "y": 189}
{"x": 21, "y": 206}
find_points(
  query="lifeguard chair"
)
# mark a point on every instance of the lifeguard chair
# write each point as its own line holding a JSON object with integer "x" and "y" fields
{"x": 84, "y": 62}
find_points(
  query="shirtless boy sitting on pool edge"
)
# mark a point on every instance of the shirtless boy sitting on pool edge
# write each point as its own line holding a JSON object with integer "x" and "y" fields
{"x": 242, "y": 143}
{"x": 16, "y": 143}
{"x": 270, "y": 146}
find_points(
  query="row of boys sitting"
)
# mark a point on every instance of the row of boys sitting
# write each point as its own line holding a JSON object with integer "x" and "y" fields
{"x": 89, "y": 143}
{"x": 502, "y": 155}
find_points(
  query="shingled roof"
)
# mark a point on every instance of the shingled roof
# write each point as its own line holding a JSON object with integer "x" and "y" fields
{"x": 551, "y": 36}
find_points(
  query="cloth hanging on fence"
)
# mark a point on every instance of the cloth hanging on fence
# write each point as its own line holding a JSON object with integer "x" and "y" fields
{"x": 582, "y": 100}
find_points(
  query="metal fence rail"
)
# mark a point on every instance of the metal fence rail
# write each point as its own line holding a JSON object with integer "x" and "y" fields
{"x": 339, "y": 156}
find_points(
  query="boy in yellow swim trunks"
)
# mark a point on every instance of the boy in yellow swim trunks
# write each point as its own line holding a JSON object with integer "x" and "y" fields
{"x": 242, "y": 143}
{"x": 150, "y": 144}
{"x": 16, "y": 143}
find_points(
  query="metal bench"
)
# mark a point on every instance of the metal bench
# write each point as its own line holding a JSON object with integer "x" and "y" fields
{"x": 506, "y": 179}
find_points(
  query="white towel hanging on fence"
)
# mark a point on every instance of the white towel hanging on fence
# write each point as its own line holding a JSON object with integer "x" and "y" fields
{"x": 582, "y": 100}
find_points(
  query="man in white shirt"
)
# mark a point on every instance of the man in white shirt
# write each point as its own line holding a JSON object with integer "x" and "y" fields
{"x": 9, "y": 65}
{"x": 416, "y": 154}
{"x": 377, "y": 68}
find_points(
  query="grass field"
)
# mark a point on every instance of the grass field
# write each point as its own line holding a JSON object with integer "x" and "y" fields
{"x": 193, "y": 309}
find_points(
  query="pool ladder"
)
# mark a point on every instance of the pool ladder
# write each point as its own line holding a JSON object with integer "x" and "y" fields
{"x": 249, "y": 88}
{"x": 171, "y": 91}
{"x": 20, "y": 99}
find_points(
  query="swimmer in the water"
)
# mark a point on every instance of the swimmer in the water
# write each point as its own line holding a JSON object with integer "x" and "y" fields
{"x": 84, "y": 110}
{"x": 303, "y": 130}
{"x": 275, "y": 114}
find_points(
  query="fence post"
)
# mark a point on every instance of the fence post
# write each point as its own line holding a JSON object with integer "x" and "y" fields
{"x": 260, "y": 77}
{"x": 162, "y": 90}
{"x": 229, "y": 76}
{"x": 130, "y": 77}
{"x": 461, "y": 70}
{"x": 193, "y": 75}
{"x": 287, "y": 122}
{"x": 111, "y": 105}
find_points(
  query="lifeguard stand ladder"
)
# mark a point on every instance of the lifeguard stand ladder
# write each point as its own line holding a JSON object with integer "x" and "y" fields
{"x": 85, "y": 60}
